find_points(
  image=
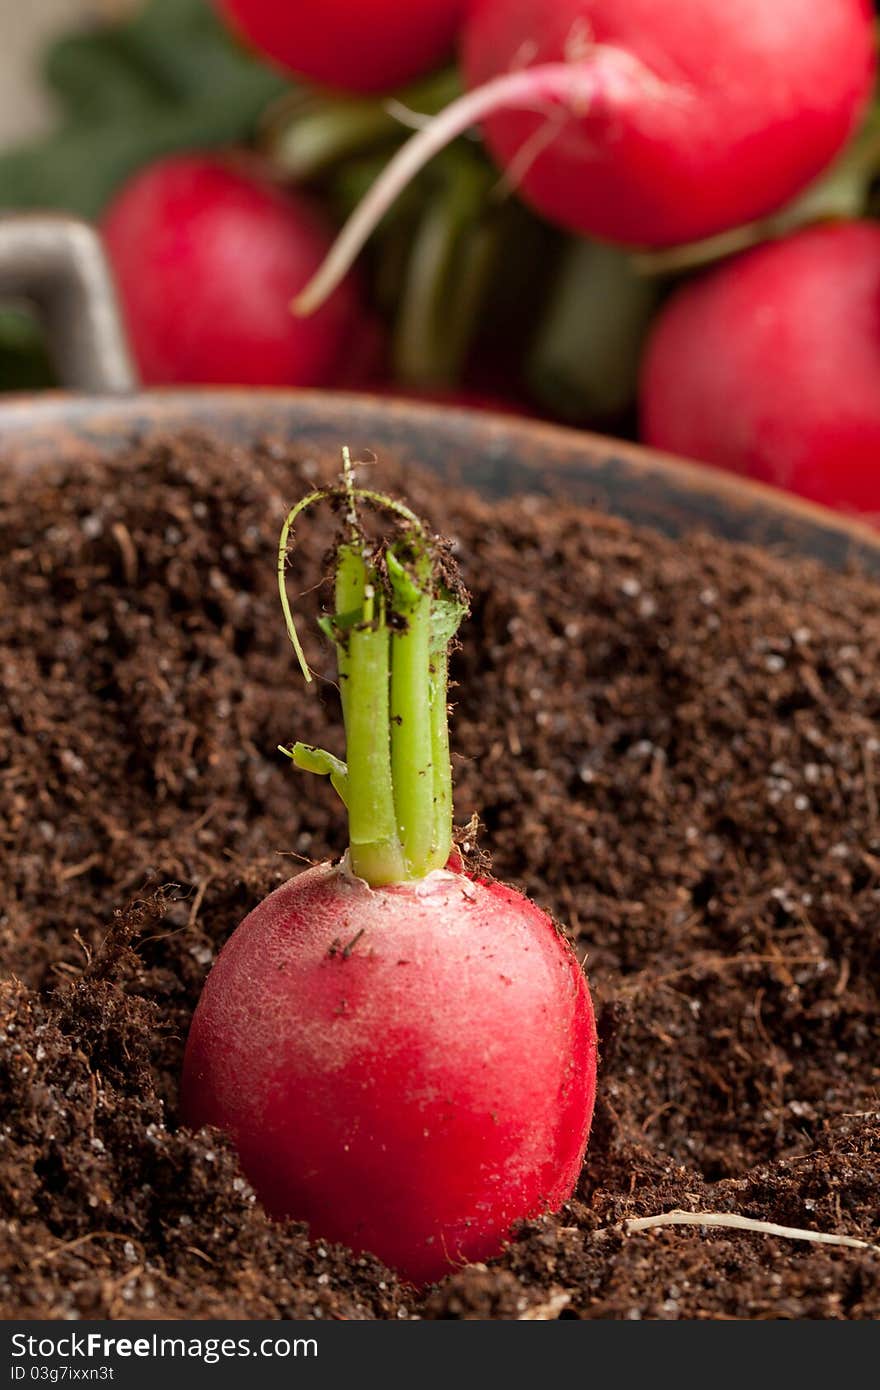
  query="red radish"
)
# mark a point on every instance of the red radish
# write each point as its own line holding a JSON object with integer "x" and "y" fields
{"x": 770, "y": 365}
{"x": 356, "y": 45}
{"x": 726, "y": 111}
{"x": 643, "y": 123}
{"x": 404, "y": 1055}
{"x": 206, "y": 255}
{"x": 414, "y": 1095}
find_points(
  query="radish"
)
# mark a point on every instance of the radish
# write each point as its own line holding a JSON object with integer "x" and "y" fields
{"x": 457, "y": 398}
{"x": 770, "y": 365}
{"x": 206, "y": 254}
{"x": 356, "y": 45}
{"x": 403, "y": 1053}
{"x": 643, "y": 123}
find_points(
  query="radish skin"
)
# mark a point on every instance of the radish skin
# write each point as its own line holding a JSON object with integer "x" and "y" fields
{"x": 355, "y": 45}
{"x": 206, "y": 253}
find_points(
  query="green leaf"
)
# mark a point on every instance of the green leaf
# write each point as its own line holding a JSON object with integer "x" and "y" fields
{"x": 170, "y": 79}
{"x": 447, "y": 616}
{"x": 583, "y": 362}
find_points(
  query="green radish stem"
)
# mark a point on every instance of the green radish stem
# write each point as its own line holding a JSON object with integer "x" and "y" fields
{"x": 392, "y": 624}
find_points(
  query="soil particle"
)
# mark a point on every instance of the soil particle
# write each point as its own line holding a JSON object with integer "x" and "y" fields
{"x": 673, "y": 747}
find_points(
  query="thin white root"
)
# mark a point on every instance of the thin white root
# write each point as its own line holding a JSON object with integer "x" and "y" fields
{"x": 743, "y": 1223}
{"x": 526, "y": 155}
{"x": 618, "y": 75}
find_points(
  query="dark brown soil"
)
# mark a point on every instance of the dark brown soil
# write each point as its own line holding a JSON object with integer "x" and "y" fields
{"x": 672, "y": 746}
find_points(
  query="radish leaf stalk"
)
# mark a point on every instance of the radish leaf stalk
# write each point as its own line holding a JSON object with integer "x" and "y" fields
{"x": 394, "y": 618}
{"x": 347, "y": 1037}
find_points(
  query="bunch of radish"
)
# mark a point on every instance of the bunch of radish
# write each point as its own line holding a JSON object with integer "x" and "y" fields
{"x": 404, "y": 1053}
{"x": 640, "y": 124}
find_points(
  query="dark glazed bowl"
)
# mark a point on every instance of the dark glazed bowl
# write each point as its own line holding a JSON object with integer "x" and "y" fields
{"x": 497, "y": 455}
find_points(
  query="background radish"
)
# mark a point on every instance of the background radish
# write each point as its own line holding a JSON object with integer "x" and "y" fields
{"x": 405, "y": 1055}
{"x": 641, "y": 123}
{"x": 725, "y": 112}
{"x": 770, "y": 365}
{"x": 357, "y": 45}
{"x": 206, "y": 255}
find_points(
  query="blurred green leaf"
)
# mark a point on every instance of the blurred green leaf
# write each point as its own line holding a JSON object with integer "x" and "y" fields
{"x": 583, "y": 363}
{"x": 448, "y": 270}
{"x": 24, "y": 362}
{"x": 169, "y": 79}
